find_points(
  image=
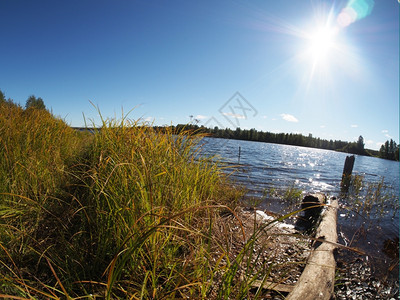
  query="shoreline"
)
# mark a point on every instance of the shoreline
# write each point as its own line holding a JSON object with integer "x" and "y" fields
{"x": 355, "y": 277}
{"x": 197, "y": 129}
{"x": 129, "y": 211}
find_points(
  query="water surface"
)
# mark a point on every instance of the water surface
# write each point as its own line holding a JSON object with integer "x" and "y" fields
{"x": 314, "y": 170}
{"x": 263, "y": 166}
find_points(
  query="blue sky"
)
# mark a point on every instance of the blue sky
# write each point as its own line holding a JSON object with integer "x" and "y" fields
{"x": 330, "y": 68}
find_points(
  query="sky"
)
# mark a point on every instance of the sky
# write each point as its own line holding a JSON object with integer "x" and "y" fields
{"x": 326, "y": 68}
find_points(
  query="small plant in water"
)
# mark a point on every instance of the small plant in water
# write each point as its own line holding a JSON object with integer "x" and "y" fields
{"x": 270, "y": 192}
{"x": 372, "y": 199}
{"x": 293, "y": 195}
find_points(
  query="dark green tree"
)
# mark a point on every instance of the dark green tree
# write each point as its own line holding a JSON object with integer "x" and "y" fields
{"x": 389, "y": 150}
{"x": 8, "y": 101}
{"x": 392, "y": 146}
{"x": 2, "y": 97}
{"x": 360, "y": 144}
{"x": 34, "y": 102}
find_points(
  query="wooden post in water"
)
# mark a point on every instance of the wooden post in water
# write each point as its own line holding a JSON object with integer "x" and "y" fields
{"x": 239, "y": 156}
{"x": 347, "y": 170}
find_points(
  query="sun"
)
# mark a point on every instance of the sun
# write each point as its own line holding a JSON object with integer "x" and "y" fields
{"x": 321, "y": 53}
{"x": 321, "y": 44}
{"x": 321, "y": 49}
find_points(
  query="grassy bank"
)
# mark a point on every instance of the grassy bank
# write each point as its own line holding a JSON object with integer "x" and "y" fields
{"x": 124, "y": 212}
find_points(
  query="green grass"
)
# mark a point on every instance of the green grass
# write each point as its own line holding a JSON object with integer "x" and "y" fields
{"x": 124, "y": 212}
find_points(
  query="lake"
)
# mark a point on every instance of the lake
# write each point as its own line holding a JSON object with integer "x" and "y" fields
{"x": 264, "y": 166}
{"x": 313, "y": 170}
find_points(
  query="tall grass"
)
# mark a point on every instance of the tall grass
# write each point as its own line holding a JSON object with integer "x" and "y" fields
{"x": 143, "y": 192}
{"x": 124, "y": 212}
{"x": 36, "y": 150}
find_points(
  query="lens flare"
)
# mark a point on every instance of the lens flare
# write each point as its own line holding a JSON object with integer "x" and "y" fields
{"x": 327, "y": 49}
{"x": 323, "y": 52}
{"x": 354, "y": 10}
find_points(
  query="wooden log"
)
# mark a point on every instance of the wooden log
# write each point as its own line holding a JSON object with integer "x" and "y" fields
{"x": 318, "y": 278}
{"x": 312, "y": 205}
{"x": 269, "y": 285}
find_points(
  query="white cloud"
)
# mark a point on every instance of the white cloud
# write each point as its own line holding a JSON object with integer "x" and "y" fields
{"x": 354, "y": 126}
{"x": 386, "y": 133}
{"x": 149, "y": 119}
{"x": 289, "y": 118}
{"x": 322, "y": 126}
{"x": 369, "y": 142}
{"x": 201, "y": 117}
{"x": 264, "y": 117}
{"x": 237, "y": 116}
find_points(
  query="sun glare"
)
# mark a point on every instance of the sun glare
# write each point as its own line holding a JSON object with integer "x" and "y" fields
{"x": 325, "y": 44}
{"x": 322, "y": 51}
{"x": 321, "y": 43}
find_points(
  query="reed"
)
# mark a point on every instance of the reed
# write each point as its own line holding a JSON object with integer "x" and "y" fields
{"x": 36, "y": 150}
{"x": 124, "y": 211}
{"x": 372, "y": 200}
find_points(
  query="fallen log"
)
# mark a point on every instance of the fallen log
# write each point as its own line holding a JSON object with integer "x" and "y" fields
{"x": 318, "y": 278}
{"x": 269, "y": 285}
{"x": 312, "y": 206}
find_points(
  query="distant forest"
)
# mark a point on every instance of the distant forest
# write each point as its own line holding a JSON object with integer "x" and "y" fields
{"x": 389, "y": 150}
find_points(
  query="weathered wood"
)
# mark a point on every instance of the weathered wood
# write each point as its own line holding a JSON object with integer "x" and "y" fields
{"x": 269, "y": 285}
{"x": 318, "y": 278}
{"x": 348, "y": 165}
{"x": 312, "y": 205}
{"x": 347, "y": 170}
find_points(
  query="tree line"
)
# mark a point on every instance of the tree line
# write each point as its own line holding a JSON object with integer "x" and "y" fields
{"x": 390, "y": 150}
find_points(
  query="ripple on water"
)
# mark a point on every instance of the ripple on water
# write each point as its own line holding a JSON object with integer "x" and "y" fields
{"x": 269, "y": 166}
